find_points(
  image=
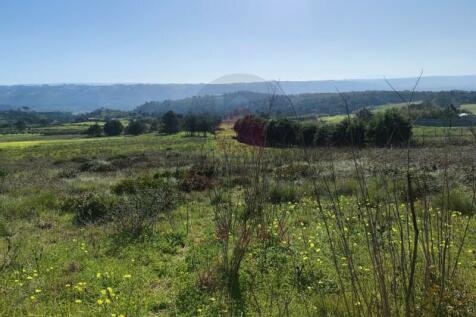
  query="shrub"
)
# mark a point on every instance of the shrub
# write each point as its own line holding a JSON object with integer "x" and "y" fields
{"x": 347, "y": 187}
{"x": 250, "y": 130}
{"x": 323, "y": 135}
{"x": 89, "y": 207}
{"x": 135, "y": 186}
{"x": 282, "y": 132}
{"x": 189, "y": 299}
{"x": 169, "y": 173}
{"x": 94, "y": 130}
{"x": 203, "y": 123}
{"x": 308, "y": 134}
{"x": 198, "y": 177}
{"x": 67, "y": 173}
{"x": 20, "y": 125}
{"x": 97, "y": 166}
{"x": 136, "y": 214}
{"x": 455, "y": 200}
{"x": 293, "y": 171}
{"x": 349, "y": 132}
{"x": 9, "y": 245}
{"x": 113, "y": 127}
{"x": 389, "y": 128}
{"x": 364, "y": 114}
{"x": 191, "y": 182}
{"x": 280, "y": 193}
{"x": 3, "y": 174}
{"x": 305, "y": 277}
{"x": 137, "y": 127}
{"x": 3, "y": 177}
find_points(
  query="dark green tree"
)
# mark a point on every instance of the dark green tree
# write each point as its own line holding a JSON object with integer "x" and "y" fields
{"x": 137, "y": 127}
{"x": 191, "y": 123}
{"x": 113, "y": 127}
{"x": 20, "y": 125}
{"x": 308, "y": 134}
{"x": 170, "y": 122}
{"x": 364, "y": 114}
{"x": 94, "y": 130}
{"x": 282, "y": 132}
{"x": 389, "y": 128}
{"x": 349, "y": 132}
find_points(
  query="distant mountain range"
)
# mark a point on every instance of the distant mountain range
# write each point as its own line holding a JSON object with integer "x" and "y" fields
{"x": 87, "y": 97}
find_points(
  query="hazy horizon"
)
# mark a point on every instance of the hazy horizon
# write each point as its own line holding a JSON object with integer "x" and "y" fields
{"x": 235, "y": 82}
{"x": 122, "y": 41}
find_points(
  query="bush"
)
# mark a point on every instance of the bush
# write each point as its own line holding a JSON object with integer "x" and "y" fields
{"x": 136, "y": 214}
{"x": 137, "y": 127}
{"x": 198, "y": 177}
{"x": 202, "y": 123}
{"x": 113, "y": 127}
{"x": 250, "y": 130}
{"x": 389, "y": 128}
{"x": 67, "y": 173}
{"x": 281, "y": 193}
{"x": 3, "y": 174}
{"x": 135, "y": 186}
{"x": 191, "y": 182}
{"x": 308, "y": 134}
{"x": 349, "y": 132}
{"x": 3, "y": 177}
{"x": 89, "y": 207}
{"x": 323, "y": 135}
{"x": 293, "y": 171}
{"x": 456, "y": 200}
{"x": 282, "y": 132}
{"x": 189, "y": 299}
{"x": 94, "y": 130}
{"x": 97, "y": 166}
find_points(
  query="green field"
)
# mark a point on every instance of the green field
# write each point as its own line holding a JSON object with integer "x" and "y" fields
{"x": 69, "y": 128}
{"x": 75, "y": 238}
{"x": 471, "y": 108}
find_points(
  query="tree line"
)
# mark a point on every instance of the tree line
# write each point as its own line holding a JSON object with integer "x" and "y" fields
{"x": 389, "y": 128}
{"x": 307, "y": 103}
{"x": 168, "y": 123}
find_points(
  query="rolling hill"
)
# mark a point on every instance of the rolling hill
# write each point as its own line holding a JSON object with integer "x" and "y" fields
{"x": 87, "y": 97}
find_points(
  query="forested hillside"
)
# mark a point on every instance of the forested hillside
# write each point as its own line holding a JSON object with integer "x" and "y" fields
{"x": 302, "y": 104}
{"x": 87, "y": 97}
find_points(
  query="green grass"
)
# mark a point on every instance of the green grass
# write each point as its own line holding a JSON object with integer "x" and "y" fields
{"x": 470, "y": 107}
{"x": 72, "y": 146}
{"x": 65, "y": 129}
{"x": 441, "y": 135}
{"x": 334, "y": 119}
{"x": 63, "y": 269}
{"x": 338, "y": 118}
{"x": 383, "y": 108}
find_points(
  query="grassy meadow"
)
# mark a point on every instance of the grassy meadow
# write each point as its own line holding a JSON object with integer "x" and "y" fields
{"x": 174, "y": 225}
{"x": 470, "y": 107}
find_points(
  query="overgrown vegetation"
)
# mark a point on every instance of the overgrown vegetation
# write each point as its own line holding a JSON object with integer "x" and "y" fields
{"x": 382, "y": 129}
{"x": 173, "y": 225}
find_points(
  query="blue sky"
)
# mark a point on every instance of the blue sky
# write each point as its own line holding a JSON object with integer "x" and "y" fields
{"x": 162, "y": 41}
